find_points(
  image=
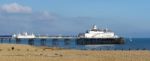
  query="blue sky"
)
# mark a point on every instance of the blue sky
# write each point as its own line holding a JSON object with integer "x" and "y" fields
{"x": 127, "y": 18}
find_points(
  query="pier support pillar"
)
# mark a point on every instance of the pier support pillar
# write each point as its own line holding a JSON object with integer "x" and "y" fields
{"x": 43, "y": 42}
{"x": 66, "y": 41}
{"x": 18, "y": 41}
{"x": 31, "y": 41}
{"x": 2, "y": 40}
{"x": 9, "y": 40}
{"x": 55, "y": 42}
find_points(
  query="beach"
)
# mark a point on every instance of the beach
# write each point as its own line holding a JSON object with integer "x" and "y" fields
{"x": 19, "y": 52}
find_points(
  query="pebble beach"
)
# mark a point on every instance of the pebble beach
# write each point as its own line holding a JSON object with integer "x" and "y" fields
{"x": 19, "y": 52}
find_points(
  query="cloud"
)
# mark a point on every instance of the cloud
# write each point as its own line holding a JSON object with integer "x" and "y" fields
{"x": 15, "y": 8}
{"x": 39, "y": 22}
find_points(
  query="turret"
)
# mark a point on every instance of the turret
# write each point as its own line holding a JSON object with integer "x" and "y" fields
{"x": 94, "y": 27}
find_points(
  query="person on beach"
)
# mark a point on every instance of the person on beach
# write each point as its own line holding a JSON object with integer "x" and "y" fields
{"x": 12, "y": 48}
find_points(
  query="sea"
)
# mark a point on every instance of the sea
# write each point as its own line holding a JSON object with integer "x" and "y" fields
{"x": 130, "y": 44}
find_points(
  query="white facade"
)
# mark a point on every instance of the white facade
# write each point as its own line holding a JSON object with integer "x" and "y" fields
{"x": 97, "y": 33}
{"x": 24, "y": 35}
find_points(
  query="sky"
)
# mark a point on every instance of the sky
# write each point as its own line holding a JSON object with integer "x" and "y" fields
{"x": 127, "y": 18}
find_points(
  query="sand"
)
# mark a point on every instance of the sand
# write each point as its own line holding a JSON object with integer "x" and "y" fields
{"x": 31, "y": 53}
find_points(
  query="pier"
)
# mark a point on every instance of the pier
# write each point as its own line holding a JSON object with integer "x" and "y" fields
{"x": 63, "y": 42}
{"x": 39, "y": 41}
{"x": 93, "y": 36}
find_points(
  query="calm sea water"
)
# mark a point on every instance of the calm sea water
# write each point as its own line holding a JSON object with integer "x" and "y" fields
{"x": 132, "y": 44}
